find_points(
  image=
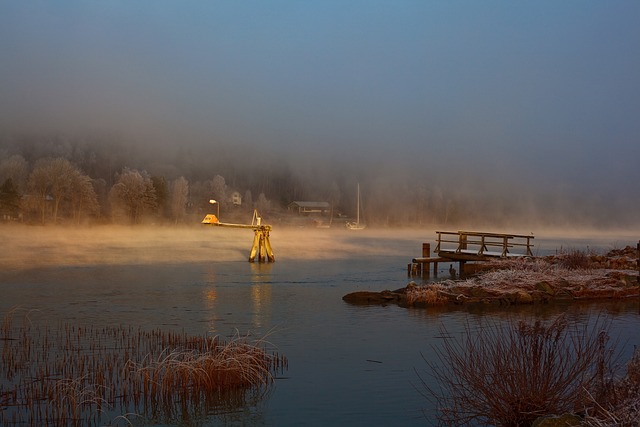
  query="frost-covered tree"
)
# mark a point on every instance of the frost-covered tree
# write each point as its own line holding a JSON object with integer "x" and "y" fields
{"x": 248, "y": 199}
{"x": 61, "y": 174}
{"x": 262, "y": 204}
{"x": 15, "y": 168}
{"x": 57, "y": 181}
{"x": 179, "y": 198}
{"x": 83, "y": 197}
{"x": 162, "y": 194}
{"x": 9, "y": 199}
{"x": 219, "y": 189}
{"x": 132, "y": 194}
{"x": 39, "y": 185}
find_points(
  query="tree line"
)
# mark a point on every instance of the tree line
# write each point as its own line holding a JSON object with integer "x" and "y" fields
{"x": 62, "y": 181}
{"x": 52, "y": 180}
{"x": 55, "y": 190}
{"x": 103, "y": 179}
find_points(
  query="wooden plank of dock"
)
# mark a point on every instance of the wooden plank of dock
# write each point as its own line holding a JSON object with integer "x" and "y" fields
{"x": 470, "y": 246}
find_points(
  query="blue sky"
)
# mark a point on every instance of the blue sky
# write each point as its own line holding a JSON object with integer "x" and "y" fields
{"x": 514, "y": 92}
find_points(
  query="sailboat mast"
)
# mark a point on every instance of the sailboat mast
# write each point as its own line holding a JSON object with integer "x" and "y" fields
{"x": 356, "y": 225}
{"x": 358, "y": 206}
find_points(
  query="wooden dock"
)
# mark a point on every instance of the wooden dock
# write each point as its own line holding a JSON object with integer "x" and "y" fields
{"x": 469, "y": 246}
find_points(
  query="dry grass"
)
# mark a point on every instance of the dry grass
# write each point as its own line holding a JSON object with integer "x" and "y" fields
{"x": 537, "y": 279}
{"x": 71, "y": 375}
{"x": 525, "y": 274}
{"x": 621, "y": 405}
{"x": 430, "y": 295}
{"x": 575, "y": 259}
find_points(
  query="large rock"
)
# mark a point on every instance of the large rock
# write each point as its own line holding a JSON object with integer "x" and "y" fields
{"x": 367, "y": 297}
{"x": 523, "y": 297}
{"x": 545, "y": 287}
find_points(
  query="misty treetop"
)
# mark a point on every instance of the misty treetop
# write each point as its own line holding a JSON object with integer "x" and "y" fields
{"x": 101, "y": 179}
{"x": 57, "y": 180}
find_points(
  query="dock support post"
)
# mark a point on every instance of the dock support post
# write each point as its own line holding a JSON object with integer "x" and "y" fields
{"x": 426, "y": 252}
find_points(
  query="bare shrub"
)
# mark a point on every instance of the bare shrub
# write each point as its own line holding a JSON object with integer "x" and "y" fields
{"x": 575, "y": 259}
{"x": 510, "y": 375}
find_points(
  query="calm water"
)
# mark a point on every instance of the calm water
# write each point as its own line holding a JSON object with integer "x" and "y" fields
{"x": 348, "y": 365}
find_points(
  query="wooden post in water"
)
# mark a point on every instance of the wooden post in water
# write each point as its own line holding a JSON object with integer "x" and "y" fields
{"x": 426, "y": 251}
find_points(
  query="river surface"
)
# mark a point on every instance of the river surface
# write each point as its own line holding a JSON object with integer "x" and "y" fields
{"x": 348, "y": 365}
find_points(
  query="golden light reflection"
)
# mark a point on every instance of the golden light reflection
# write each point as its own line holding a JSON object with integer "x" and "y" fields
{"x": 260, "y": 272}
{"x": 261, "y": 292}
{"x": 211, "y": 296}
{"x": 261, "y": 297}
{"x": 210, "y": 299}
{"x": 210, "y": 275}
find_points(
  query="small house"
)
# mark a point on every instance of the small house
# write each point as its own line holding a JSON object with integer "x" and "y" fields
{"x": 309, "y": 208}
{"x": 236, "y": 199}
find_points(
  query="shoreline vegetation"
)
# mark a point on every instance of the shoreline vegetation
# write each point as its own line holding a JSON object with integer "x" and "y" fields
{"x": 553, "y": 373}
{"x": 571, "y": 276}
{"x": 89, "y": 375}
{"x": 530, "y": 373}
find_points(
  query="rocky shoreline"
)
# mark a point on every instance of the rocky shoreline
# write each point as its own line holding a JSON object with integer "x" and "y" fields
{"x": 570, "y": 276}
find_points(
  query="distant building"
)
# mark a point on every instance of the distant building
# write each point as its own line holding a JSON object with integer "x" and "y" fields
{"x": 309, "y": 208}
{"x": 236, "y": 198}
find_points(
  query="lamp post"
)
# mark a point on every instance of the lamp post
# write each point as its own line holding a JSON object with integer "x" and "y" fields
{"x": 213, "y": 202}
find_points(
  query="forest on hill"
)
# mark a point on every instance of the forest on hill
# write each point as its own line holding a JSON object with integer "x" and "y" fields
{"x": 64, "y": 180}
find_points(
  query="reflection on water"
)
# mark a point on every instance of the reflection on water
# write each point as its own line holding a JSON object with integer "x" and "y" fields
{"x": 348, "y": 365}
{"x": 261, "y": 294}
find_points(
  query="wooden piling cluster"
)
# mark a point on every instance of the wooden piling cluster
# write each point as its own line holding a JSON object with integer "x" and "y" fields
{"x": 421, "y": 267}
{"x": 75, "y": 375}
{"x": 262, "y": 245}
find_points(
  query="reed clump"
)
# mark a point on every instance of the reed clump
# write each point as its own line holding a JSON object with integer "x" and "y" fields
{"x": 620, "y": 406}
{"x": 512, "y": 375}
{"x": 433, "y": 294}
{"x": 70, "y": 375}
{"x": 575, "y": 259}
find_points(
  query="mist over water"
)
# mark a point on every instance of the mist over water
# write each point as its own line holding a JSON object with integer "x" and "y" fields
{"x": 348, "y": 365}
{"x": 30, "y": 247}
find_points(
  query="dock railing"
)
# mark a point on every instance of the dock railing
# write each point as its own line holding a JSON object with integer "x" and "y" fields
{"x": 483, "y": 244}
